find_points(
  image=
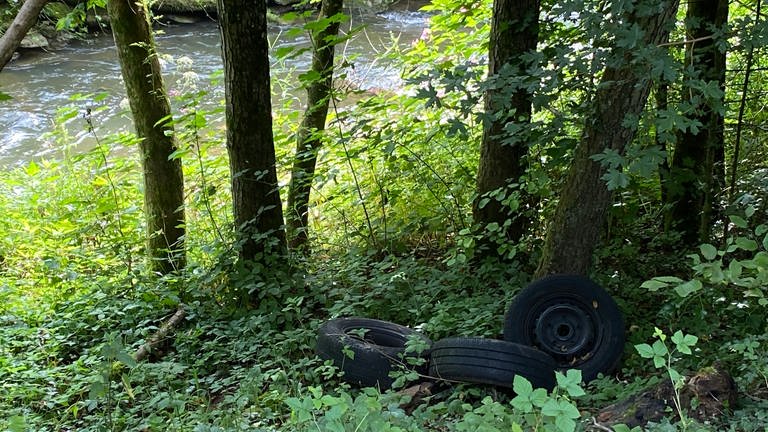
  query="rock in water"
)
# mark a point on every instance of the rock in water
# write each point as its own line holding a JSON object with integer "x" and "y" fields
{"x": 34, "y": 39}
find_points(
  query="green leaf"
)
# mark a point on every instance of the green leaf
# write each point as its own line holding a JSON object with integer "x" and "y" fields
{"x": 570, "y": 382}
{"x": 5, "y": 97}
{"x": 645, "y": 350}
{"x": 615, "y": 179}
{"x": 708, "y": 251}
{"x": 654, "y": 285}
{"x": 17, "y": 424}
{"x": 521, "y": 386}
{"x": 348, "y": 352}
{"x": 738, "y": 221}
{"x": 675, "y": 376}
{"x": 735, "y": 268}
{"x": 761, "y": 260}
{"x": 32, "y": 169}
{"x": 688, "y": 288}
{"x": 283, "y": 51}
{"x": 746, "y": 244}
{"x": 749, "y": 211}
{"x": 609, "y": 158}
{"x": 668, "y": 279}
{"x": 96, "y": 390}
{"x": 565, "y": 424}
{"x": 569, "y": 410}
{"x": 683, "y": 343}
{"x": 521, "y": 403}
{"x": 659, "y": 349}
{"x": 539, "y": 397}
{"x": 310, "y": 77}
{"x": 126, "y": 359}
{"x": 551, "y": 408}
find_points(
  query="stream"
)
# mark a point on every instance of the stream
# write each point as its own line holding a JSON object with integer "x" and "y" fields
{"x": 41, "y": 83}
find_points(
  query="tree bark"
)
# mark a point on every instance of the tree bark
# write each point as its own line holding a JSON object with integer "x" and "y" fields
{"x": 151, "y": 109}
{"x": 25, "y": 19}
{"x": 256, "y": 200}
{"x": 514, "y": 31}
{"x": 697, "y": 174}
{"x": 621, "y": 95}
{"x": 308, "y": 140}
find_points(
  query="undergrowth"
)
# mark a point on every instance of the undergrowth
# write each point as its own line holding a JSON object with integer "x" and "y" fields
{"x": 76, "y": 304}
{"x": 391, "y": 240}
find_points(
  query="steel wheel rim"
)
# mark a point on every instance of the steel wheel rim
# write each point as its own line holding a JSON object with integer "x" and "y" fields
{"x": 567, "y": 330}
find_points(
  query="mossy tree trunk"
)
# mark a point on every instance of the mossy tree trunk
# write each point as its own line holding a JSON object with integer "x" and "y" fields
{"x": 697, "y": 172}
{"x": 309, "y": 138}
{"x": 621, "y": 95}
{"x": 163, "y": 179}
{"x": 514, "y": 31}
{"x": 14, "y": 34}
{"x": 257, "y": 206}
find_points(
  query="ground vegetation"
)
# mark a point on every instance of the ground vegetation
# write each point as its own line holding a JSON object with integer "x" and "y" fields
{"x": 91, "y": 339}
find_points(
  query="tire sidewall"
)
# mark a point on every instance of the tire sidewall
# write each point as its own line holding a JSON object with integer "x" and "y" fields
{"x": 382, "y": 350}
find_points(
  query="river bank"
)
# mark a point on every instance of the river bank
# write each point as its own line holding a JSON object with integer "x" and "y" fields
{"x": 62, "y": 21}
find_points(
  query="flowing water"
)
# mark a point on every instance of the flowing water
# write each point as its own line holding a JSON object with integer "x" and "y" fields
{"x": 42, "y": 83}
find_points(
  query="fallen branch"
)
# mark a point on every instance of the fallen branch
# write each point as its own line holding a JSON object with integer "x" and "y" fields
{"x": 161, "y": 334}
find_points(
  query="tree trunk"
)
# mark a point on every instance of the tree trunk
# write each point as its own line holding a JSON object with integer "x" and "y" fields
{"x": 256, "y": 201}
{"x": 25, "y": 19}
{"x": 514, "y": 31}
{"x": 621, "y": 95}
{"x": 697, "y": 173}
{"x": 163, "y": 178}
{"x": 662, "y": 103}
{"x": 308, "y": 140}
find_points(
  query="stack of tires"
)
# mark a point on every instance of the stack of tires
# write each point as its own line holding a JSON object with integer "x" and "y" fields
{"x": 558, "y": 322}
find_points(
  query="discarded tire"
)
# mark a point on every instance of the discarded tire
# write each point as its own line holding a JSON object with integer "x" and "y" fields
{"x": 490, "y": 361}
{"x": 570, "y": 318}
{"x": 376, "y": 347}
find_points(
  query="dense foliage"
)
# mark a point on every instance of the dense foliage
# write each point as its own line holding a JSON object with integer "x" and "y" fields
{"x": 392, "y": 238}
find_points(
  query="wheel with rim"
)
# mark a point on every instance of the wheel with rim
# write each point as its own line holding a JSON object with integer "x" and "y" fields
{"x": 490, "y": 361}
{"x": 570, "y": 318}
{"x": 366, "y": 349}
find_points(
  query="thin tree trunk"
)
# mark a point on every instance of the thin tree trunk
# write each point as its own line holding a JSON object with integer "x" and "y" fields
{"x": 736, "y": 157}
{"x": 662, "y": 103}
{"x": 25, "y": 19}
{"x": 308, "y": 140}
{"x": 622, "y": 93}
{"x": 163, "y": 178}
{"x": 514, "y": 31}
{"x": 697, "y": 175}
{"x": 256, "y": 200}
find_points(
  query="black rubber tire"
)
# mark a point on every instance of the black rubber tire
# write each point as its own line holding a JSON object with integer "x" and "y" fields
{"x": 381, "y": 351}
{"x": 490, "y": 361}
{"x": 570, "y": 318}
